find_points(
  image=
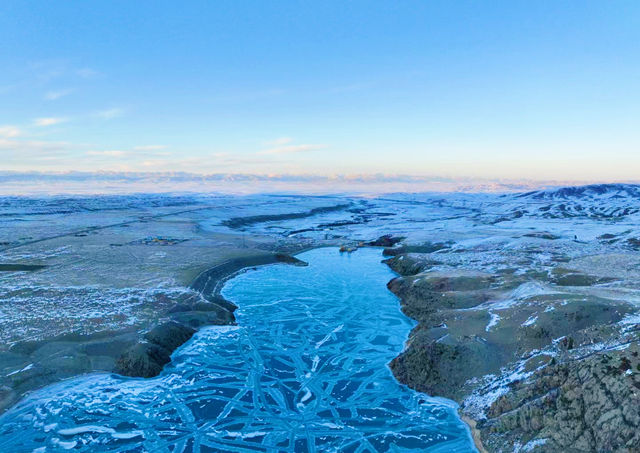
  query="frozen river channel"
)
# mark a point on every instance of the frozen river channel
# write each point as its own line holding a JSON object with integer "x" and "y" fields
{"x": 304, "y": 370}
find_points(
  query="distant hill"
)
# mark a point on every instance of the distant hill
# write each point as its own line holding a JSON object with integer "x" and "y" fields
{"x": 605, "y": 201}
{"x": 592, "y": 191}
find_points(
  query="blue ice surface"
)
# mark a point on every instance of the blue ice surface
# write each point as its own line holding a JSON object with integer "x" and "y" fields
{"x": 304, "y": 370}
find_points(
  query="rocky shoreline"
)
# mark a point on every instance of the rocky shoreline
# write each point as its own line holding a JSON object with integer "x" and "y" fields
{"x": 536, "y": 360}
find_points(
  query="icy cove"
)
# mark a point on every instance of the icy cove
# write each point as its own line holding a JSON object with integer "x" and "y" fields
{"x": 304, "y": 370}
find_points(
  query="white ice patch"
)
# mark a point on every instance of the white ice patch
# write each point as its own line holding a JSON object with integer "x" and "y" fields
{"x": 246, "y": 435}
{"x": 328, "y": 336}
{"x": 306, "y": 396}
{"x": 86, "y": 429}
{"x": 315, "y": 363}
{"x": 128, "y": 435}
{"x": 530, "y": 321}
{"x": 64, "y": 445}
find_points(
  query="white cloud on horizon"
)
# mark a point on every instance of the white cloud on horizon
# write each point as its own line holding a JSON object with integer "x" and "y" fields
{"x": 149, "y": 147}
{"x": 123, "y": 180}
{"x": 108, "y": 153}
{"x": 14, "y": 153}
{"x": 144, "y": 151}
{"x": 291, "y": 149}
{"x": 213, "y": 162}
{"x": 9, "y": 131}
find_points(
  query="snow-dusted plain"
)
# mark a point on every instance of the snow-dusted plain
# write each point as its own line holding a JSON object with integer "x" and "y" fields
{"x": 117, "y": 263}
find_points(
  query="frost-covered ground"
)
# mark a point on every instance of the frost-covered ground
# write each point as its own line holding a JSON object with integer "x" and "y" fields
{"x": 83, "y": 278}
{"x": 112, "y": 261}
{"x": 524, "y": 275}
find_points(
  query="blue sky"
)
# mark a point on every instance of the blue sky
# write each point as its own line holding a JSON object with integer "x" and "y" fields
{"x": 501, "y": 89}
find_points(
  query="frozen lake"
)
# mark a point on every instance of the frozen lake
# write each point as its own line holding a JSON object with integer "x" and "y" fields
{"x": 304, "y": 370}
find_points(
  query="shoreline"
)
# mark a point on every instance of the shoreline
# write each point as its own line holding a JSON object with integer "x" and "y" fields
{"x": 474, "y": 432}
{"x": 515, "y": 391}
{"x": 207, "y": 284}
{"x": 471, "y": 424}
{"x": 148, "y": 357}
{"x": 224, "y": 271}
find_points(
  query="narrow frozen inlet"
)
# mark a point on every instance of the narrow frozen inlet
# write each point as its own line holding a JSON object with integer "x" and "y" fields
{"x": 305, "y": 370}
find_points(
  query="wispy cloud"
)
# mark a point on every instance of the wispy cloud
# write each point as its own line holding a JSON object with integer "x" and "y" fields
{"x": 357, "y": 86}
{"x": 47, "y": 70}
{"x": 279, "y": 141}
{"x": 216, "y": 160}
{"x": 108, "y": 153}
{"x": 87, "y": 72}
{"x": 284, "y": 145}
{"x": 149, "y": 147}
{"x": 110, "y": 113}
{"x": 22, "y": 151}
{"x": 9, "y": 131}
{"x": 43, "y": 122}
{"x": 19, "y": 151}
{"x": 134, "y": 153}
{"x": 290, "y": 149}
{"x": 55, "y": 95}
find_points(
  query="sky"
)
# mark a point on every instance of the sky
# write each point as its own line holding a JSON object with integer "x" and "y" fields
{"x": 536, "y": 90}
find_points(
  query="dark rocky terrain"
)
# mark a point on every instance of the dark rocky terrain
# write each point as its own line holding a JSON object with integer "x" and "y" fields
{"x": 541, "y": 354}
